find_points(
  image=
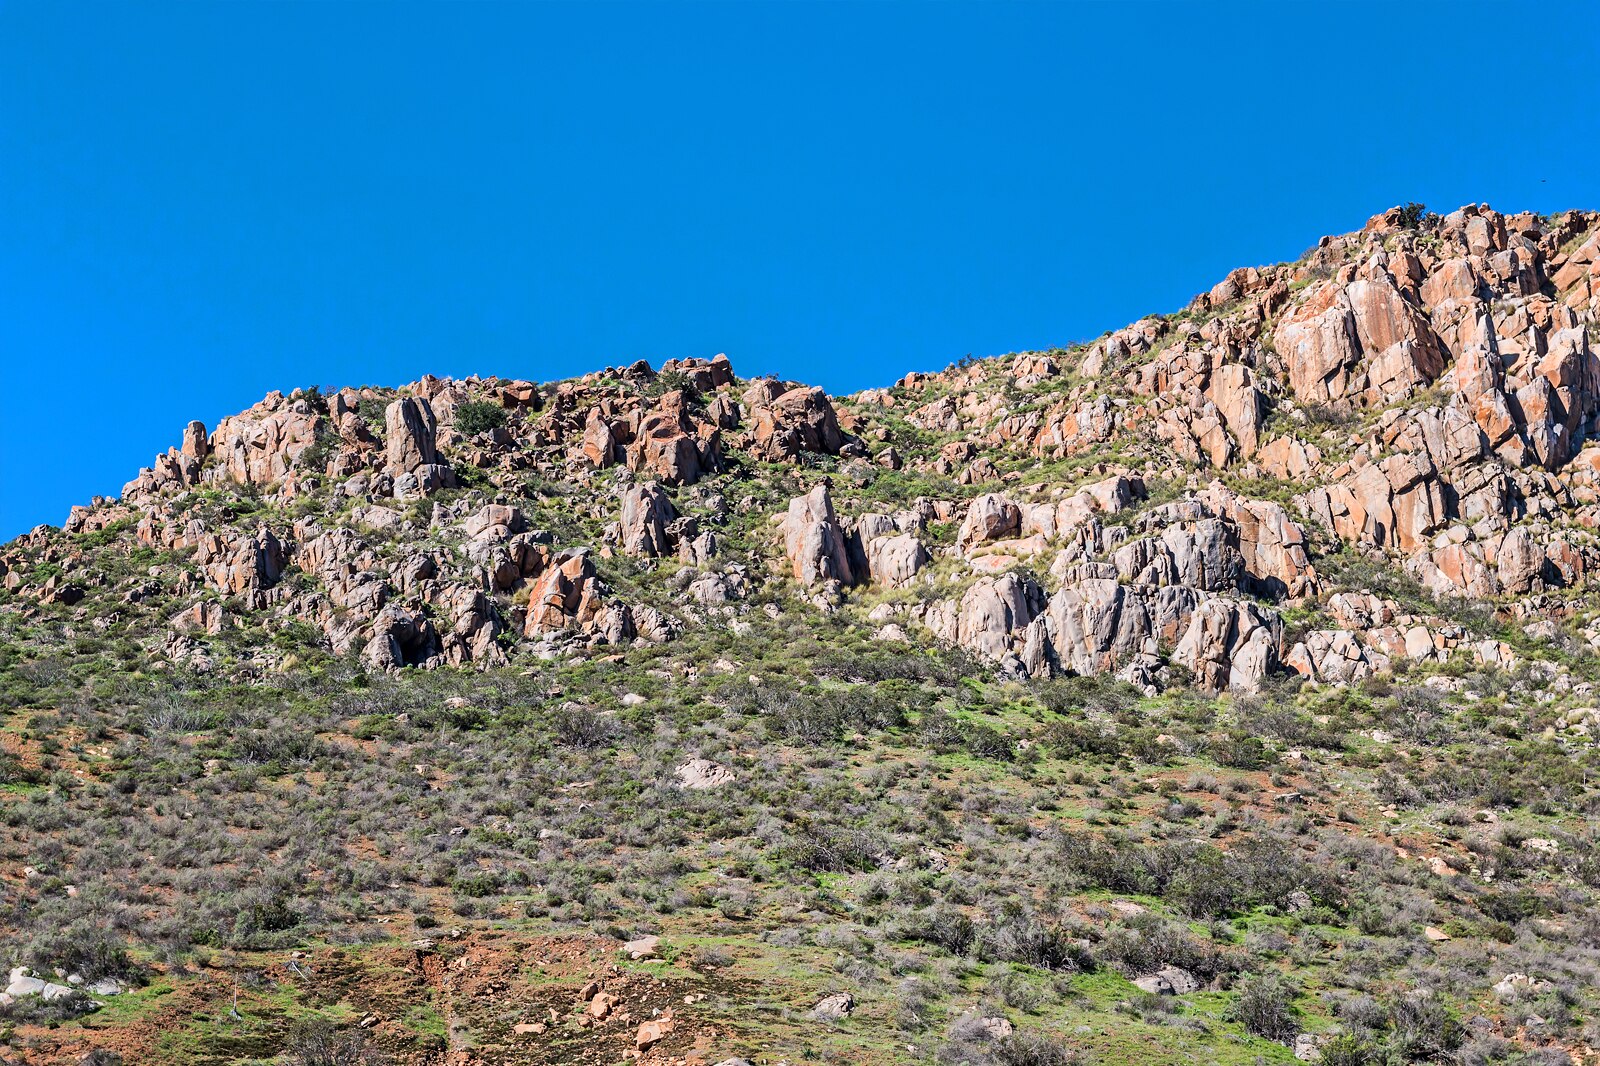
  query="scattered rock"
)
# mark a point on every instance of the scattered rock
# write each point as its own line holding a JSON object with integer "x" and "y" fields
{"x": 1169, "y": 981}
{"x": 652, "y": 1032}
{"x": 834, "y": 1007}
{"x": 646, "y": 947}
{"x": 23, "y": 982}
{"x": 702, "y": 774}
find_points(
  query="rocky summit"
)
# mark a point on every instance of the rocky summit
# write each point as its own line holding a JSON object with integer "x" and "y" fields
{"x": 1219, "y": 690}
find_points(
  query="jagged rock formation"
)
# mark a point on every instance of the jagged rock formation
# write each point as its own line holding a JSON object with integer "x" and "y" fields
{"x": 1152, "y": 504}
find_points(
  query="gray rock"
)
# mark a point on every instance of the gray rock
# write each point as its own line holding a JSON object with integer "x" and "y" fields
{"x": 835, "y": 1007}
{"x": 702, "y": 774}
{"x": 23, "y": 982}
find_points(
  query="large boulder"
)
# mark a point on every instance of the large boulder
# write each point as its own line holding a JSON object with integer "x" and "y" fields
{"x": 473, "y": 628}
{"x": 894, "y": 560}
{"x": 1229, "y": 644}
{"x": 1361, "y": 341}
{"x": 671, "y": 446}
{"x": 1336, "y": 656}
{"x": 989, "y": 517}
{"x": 1520, "y": 563}
{"x": 242, "y": 565}
{"x": 410, "y": 430}
{"x": 401, "y": 637}
{"x": 599, "y": 446}
{"x": 260, "y": 446}
{"x": 411, "y": 455}
{"x": 815, "y": 542}
{"x": 565, "y": 595}
{"x": 647, "y": 512}
{"x": 1319, "y": 344}
{"x": 495, "y": 523}
{"x": 1239, "y": 403}
{"x": 1202, "y": 556}
{"x": 798, "y": 420}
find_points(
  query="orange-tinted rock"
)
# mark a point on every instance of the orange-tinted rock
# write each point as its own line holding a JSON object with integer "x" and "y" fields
{"x": 799, "y": 420}
{"x": 814, "y": 541}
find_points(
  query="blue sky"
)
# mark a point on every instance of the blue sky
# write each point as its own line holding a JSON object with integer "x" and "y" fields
{"x": 201, "y": 203}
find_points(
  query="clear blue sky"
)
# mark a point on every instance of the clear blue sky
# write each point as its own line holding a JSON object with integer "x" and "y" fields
{"x": 201, "y": 203}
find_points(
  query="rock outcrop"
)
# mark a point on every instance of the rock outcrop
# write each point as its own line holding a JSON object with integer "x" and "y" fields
{"x": 815, "y": 542}
{"x": 1419, "y": 394}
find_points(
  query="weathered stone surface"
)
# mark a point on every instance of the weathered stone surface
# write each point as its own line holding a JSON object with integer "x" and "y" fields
{"x": 1430, "y": 385}
{"x": 834, "y": 1007}
{"x": 410, "y": 430}
{"x": 699, "y": 774}
{"x": 815, "y": 542}
{"x": 260, "y": 446}
{"x": 989, "y": 517}
{"x": 671, "y": 446}
{"x": 894, "y": 561}
{"x": 795, "y": 421}
{"x": 566, "y": 594}
{"x": 400, "y": 638}
{"x": 647, "y": 512}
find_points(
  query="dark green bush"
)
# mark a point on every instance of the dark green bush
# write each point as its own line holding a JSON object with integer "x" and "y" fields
{"x": 479, "y": 416}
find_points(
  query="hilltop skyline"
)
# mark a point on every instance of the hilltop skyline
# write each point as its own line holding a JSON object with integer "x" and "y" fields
{"x": 211, "y": 203}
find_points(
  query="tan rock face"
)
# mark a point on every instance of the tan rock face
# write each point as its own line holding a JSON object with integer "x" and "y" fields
{"x": 495, "y": 523}
{"x": 565, "y": 595}
{"x": 243, "y": 566}
{"x": 646, "y": 514}
{"x": 991, "y": 611}
{"x": 599, "y": 442}
{"x": 1335, "y": 656}
{"x": 672, "y": 447}
{"x": 204, "y": 616}
{"x": 1272, "y": 546}
{"x": 474, "y": 624}
{"x": 260, "y": 446}
{"x": 798, "y": 420}
{"x": 196, "y": 446}
{"x": 1229, "y": 644}
{"x": 1239, "y": 403}
{"x": 814, "y": 541}
{"x": 400, "y": 637}
{"x": 894, "y": 561}
{"x": 1364, "y": 340}
{"x": 990, "y": 517}
{"x": 1320, "y": 345}
{"x": 409, "y": 434}
{"x": 1519, "y": 562}
{"x": 1424, "y": 389}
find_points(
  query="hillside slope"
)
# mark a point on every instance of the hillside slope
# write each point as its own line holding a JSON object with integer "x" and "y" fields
{"x": 1221, "y": 689}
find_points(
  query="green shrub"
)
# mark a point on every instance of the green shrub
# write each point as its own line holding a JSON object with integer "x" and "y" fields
{"x": 1414, "y": 214}
{"x": 479, "y": 416}
{"x": 1265, "y": 1007}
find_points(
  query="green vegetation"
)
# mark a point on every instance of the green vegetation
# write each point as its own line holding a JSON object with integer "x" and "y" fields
{"x": 479, "y": 416}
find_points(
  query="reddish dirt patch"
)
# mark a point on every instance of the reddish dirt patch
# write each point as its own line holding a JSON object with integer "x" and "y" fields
{"x": 483, "y": 997}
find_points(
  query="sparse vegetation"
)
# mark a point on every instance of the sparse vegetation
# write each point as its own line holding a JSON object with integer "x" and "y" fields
{"x": 263, "y": 841}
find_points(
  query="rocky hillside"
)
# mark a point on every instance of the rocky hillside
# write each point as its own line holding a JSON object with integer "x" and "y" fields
{"x": 1150, "y": 505}
{"x": 1340, "y": 493}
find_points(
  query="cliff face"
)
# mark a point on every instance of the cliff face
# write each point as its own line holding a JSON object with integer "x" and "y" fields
{"x": 1419, "y": 391}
